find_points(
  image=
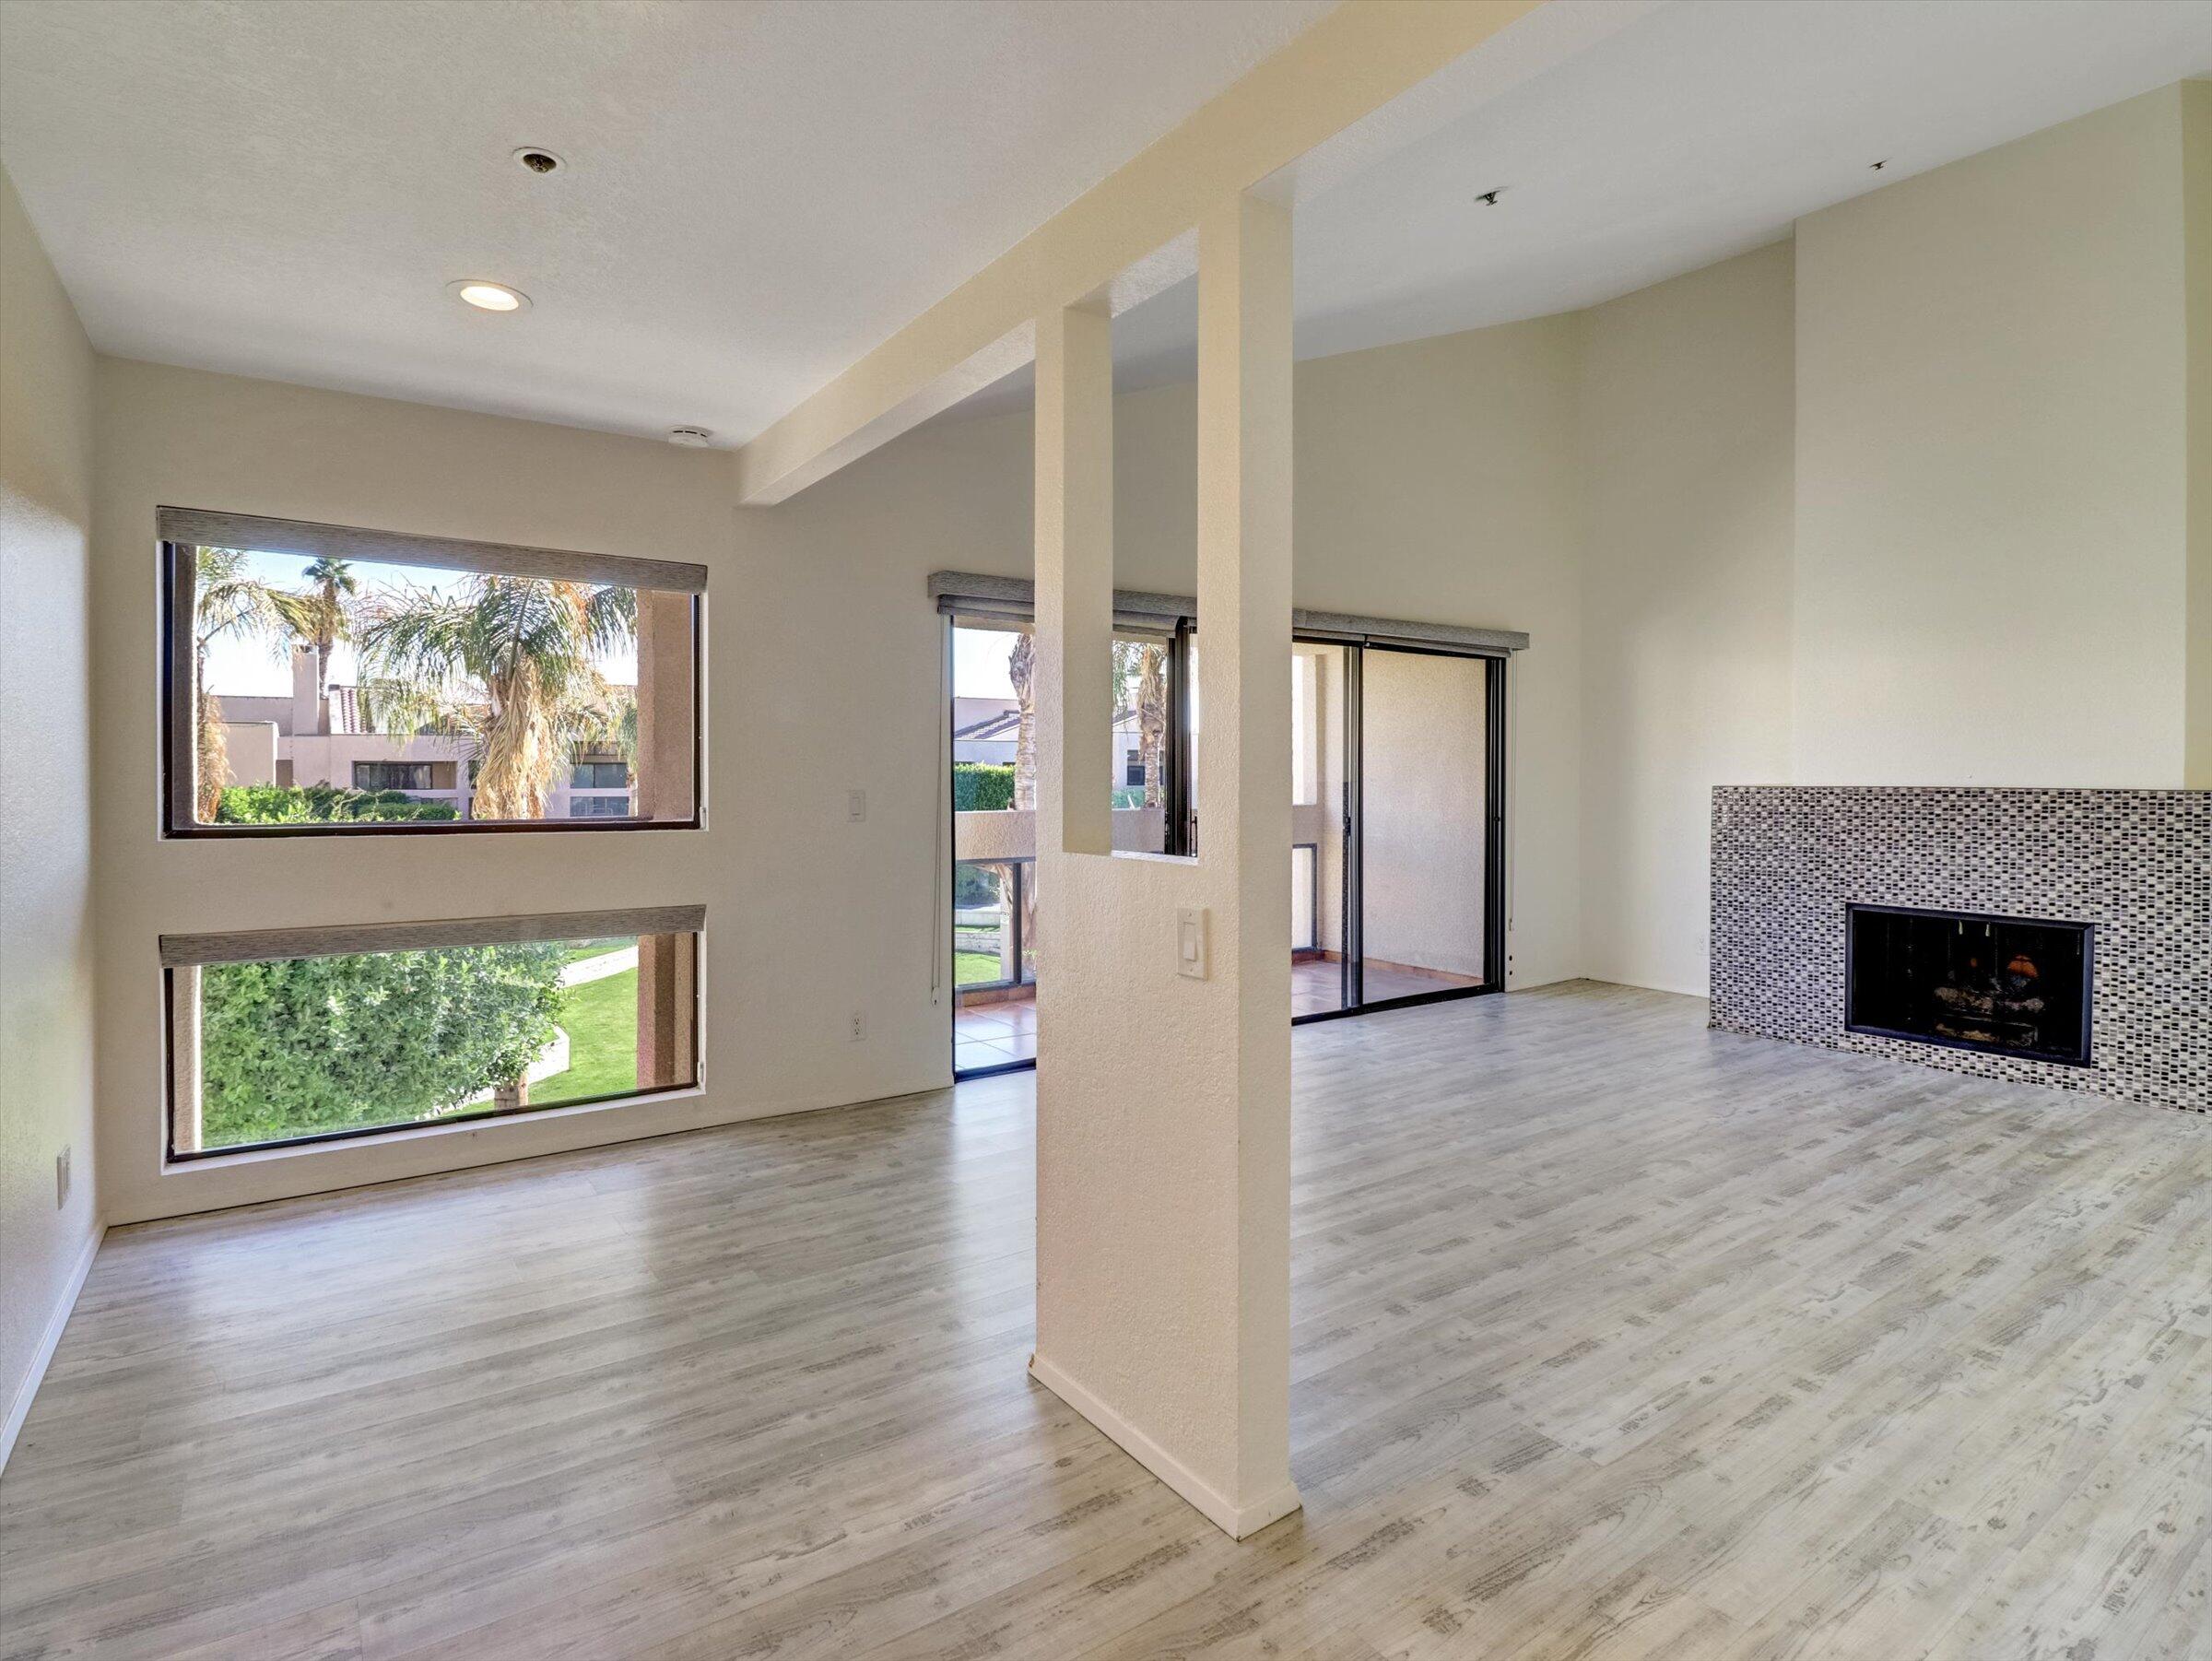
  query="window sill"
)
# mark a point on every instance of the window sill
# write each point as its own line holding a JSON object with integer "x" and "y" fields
{"x": 556, "y": 827}
{"x": 479, "y": 1125}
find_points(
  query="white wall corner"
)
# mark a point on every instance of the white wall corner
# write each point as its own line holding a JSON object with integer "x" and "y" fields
{"x": 26, "y": 1387}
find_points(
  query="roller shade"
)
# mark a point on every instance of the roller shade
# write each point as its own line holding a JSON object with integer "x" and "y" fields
{"x": 977, "y": 595}
{"x": 198, "y": 527}
{"x": 270, "y": 944}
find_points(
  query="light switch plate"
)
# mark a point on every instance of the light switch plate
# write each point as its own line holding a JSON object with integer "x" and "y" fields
{"x": 856, "y": 804}
{"x": 1190, "y": 941}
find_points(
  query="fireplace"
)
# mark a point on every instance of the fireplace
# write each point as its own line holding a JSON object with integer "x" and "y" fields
{"x": 2011, "y": 986}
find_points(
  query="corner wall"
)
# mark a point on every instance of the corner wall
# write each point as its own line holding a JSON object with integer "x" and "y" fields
{"x": 2196, "y": 211}
{"x": 822, "y": 663}
{"x": 1685, "y": 409}
{"x": 47, "y": 977}
{"x": 1991, "y": 486}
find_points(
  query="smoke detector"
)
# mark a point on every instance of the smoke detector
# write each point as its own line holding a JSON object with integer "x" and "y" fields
{"x": 691, "y": 437}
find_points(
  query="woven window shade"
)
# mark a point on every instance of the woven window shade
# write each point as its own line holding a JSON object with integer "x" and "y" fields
{"x": 269, "y": 945}
{"x": 196, "y": 527}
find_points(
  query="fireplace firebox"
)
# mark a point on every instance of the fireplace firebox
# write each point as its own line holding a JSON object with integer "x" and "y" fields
{"x": 2013, "y": 986}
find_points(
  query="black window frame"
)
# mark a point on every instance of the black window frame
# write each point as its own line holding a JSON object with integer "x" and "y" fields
{"x": 497, "y": 931}
{"x": 598, "y": 806}
{"x": 173, "y": 736}
{"x": 423, "y": 766}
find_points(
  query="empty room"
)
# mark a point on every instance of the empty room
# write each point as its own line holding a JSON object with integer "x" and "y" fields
{"x": 924, "y": 829}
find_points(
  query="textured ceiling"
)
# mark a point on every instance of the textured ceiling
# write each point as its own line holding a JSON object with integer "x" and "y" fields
{"x": 1701, "y": 130}
{"x": 759, "y": 190}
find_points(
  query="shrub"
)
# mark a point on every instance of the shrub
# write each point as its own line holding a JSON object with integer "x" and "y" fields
{"x": 983, "y": 786}
{"x": 318, "y": 804}
{"x": 975, "y": 886}
{"x": 309, "y": 1045}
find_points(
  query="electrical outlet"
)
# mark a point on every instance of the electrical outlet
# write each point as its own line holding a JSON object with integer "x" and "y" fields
{"x": 860, "y": 1025}
{"x": 856, "y": 804}
{"x": 61, "y": 1178}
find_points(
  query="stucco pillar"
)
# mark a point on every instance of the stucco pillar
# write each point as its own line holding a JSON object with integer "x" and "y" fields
{"x": 1075, "y": 579}
{"x": 186, "y": 1080}
{"x": 1163, "y": 1172}
{"x": 665, "y": 770}
{"x": 667, "y": 1010}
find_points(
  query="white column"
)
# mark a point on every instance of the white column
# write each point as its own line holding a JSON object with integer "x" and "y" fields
{"x": 1163, "y": 1178}
{"x": 1075, "y": 578}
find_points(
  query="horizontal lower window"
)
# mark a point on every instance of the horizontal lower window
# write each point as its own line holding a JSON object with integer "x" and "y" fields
{"x": 272, "y": 1047}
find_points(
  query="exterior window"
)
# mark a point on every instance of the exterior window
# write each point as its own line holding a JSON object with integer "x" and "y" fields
{"x": 598, "y": 806}
{"x": 392, "y": 775}
{"x": 392, "y": 1027}
{"x": 316, "y": 670}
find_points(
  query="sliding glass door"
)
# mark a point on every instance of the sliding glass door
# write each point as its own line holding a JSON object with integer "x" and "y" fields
{"x": 997, "y": 920}
{"x": 1322, "y": 807}
{"x": 1420, "y": 832}
{"x": 1397, "y": 820}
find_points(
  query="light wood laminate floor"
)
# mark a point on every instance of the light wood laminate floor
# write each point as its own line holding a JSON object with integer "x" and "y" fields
{"x": 1614, "y": 1338}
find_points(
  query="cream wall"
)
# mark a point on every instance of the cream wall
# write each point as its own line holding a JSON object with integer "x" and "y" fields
{"x": 2197, "y": 184}
{"x": 796, "y": 717}
{"x": 1423, "y": 743}
{"x": 1686, "y": 406}
{"x": 1434, "y": 481}
{"x": 1437, "y": 481}
{"x": 46, "y": 889}
{"x": 1992, "y": 544}
{"x": 1619, "y": 483}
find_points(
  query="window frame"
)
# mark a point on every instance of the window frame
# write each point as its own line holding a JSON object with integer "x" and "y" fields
{"x": 688, "y": 923}
{"x": 174, "y": 742}
{"x": 404, "y": 789}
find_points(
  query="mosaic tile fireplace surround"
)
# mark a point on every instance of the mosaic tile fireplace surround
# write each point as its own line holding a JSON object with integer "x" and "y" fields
{"x": 2135, "y": 865}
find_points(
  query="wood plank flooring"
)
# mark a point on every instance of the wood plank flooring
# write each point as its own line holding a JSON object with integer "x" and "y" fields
{"x": 1615, "y": 1338}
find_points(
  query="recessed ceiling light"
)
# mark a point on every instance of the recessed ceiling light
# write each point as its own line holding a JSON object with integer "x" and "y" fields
{"x": 487, "y": 296}
{"x": 691, "y": 437}
{"x": 538, "y": 159}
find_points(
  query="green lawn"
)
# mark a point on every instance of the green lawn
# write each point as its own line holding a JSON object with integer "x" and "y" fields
{"x": 975, "y": 967}
{"x": 596, "y": 948}
{"x": 600, "y": 1019}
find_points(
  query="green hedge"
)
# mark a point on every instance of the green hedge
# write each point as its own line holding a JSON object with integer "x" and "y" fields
{"x": 308, "y": 1045}
{"x": 983, "y": 786}
{"x": 321, "y": 804}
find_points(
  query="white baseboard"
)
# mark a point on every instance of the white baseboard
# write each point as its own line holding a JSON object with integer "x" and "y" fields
{"x": 1234, "y": 1520}
{"x": 35, "y": 1375}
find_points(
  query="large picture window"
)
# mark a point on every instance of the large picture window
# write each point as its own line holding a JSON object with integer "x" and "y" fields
{"x": 305, "y": 1035}
{"x": 324, "y": 679}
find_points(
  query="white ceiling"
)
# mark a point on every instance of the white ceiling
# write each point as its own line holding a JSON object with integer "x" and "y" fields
{"x": 1701, "y": 130}
{"x": 759, "y": 191}
{"x": 762, "y": 190}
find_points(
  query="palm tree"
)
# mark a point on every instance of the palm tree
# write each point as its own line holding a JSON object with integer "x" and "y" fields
{"x": 226, "y": 601}
{"x": 1141, "y": 689}
{"x": 510, "y": 661}
{"x": 327, "y": 610}
{"x": 1021, "y": 672}
{"x": 1152, "y": 722}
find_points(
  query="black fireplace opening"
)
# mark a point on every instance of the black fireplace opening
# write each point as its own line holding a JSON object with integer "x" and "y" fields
{"x": 2012, "y": 985}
